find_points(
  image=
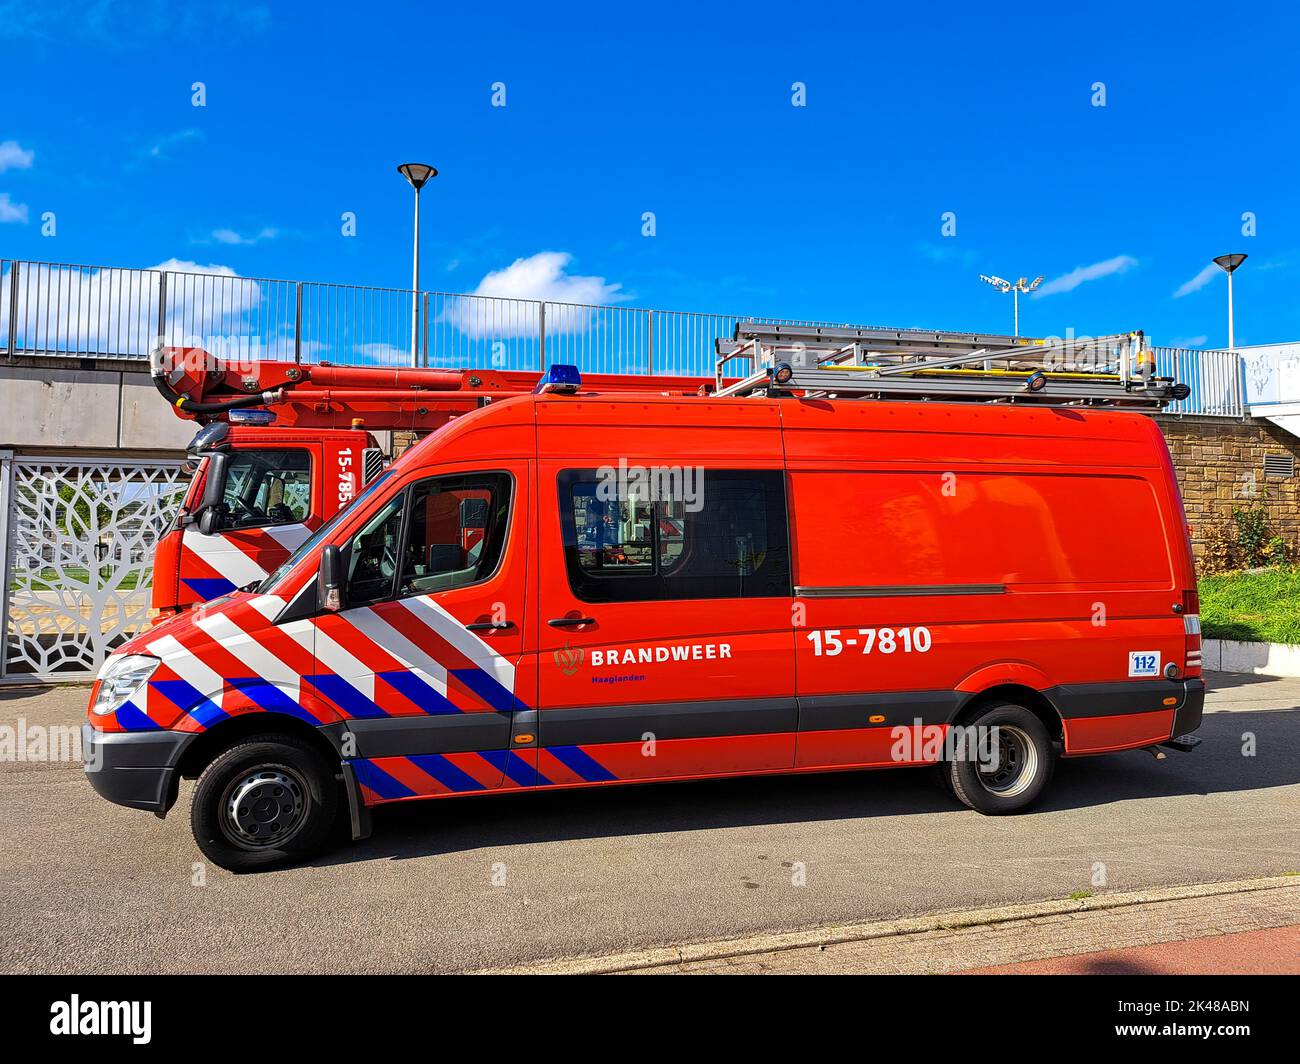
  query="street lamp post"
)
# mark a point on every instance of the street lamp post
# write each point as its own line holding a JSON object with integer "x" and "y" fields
{"x": 1228, "y": 264}
{"x": 1022, "y": 285}
{"x": 417, "y": 174}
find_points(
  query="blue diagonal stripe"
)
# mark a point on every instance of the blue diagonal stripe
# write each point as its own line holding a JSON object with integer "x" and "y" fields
{"x": 269, "y": 697}
{"x": 489, "y": 689}
{"x": 186, "y": 696}
{"x": 353, "y": 703}
{"x": 515, "y": 767}
{"x": 379, "y": 781}
{"x": 445, "y": 772}
{"x": 209, "y": 587}
{"x": 411, "y": 686}
{"x": 133, "y": 718}
{"x": 586, "y": 766}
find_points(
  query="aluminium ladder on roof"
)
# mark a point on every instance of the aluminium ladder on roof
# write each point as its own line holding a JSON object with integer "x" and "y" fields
{"x": 913, "y": 364}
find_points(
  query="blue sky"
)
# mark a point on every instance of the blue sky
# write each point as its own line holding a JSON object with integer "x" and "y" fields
{"x": 830, "y": 211}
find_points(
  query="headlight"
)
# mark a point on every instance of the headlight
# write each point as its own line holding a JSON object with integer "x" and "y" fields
{"x": 120, "y": 679}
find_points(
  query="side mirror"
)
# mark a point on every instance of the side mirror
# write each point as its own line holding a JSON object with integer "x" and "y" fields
{"x": 209, "y": 519}
{"x": 329, "y": 580}
{"x": 212, "y": 505}
{"x": 214, "y": 483}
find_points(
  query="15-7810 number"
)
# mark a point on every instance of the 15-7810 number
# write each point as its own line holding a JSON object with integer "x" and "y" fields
{"x": 828, "y": 642}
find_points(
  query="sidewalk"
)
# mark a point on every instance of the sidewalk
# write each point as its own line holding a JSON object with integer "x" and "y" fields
{"x": 1272, "y": 952}
{"x": 1245, "y": 926}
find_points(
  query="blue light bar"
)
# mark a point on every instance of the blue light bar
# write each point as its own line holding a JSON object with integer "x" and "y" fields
{"x": 251, "y": 417}
{"x": 560, "y": 378}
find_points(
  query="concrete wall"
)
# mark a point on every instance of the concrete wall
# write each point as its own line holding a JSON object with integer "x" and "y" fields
{"x": 85, "y": 405}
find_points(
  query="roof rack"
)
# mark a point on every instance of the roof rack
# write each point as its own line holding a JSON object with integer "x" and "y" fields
{"x": 847, "y": 362}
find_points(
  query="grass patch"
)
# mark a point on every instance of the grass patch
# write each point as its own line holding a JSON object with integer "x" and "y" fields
{"x": 1259, "y": 607}
{"x": 1079, "y": 895}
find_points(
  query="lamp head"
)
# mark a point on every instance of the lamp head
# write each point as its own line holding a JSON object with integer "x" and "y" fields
{"x": 1228, "y": 263}
{"x": 417, "y": 174}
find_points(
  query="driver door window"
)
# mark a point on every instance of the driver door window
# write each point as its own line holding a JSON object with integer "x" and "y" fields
{"x": 271, "y": 487}
{"x": 455, "y": 532}
{"x": 447, "y": 532}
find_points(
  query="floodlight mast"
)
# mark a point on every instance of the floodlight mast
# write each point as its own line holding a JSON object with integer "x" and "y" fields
{"x": 1228, "y": 264}
{"x": 1021, "y": 285}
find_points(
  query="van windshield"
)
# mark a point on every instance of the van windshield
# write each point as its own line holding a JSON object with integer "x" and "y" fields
{"x": 320, "y": 535}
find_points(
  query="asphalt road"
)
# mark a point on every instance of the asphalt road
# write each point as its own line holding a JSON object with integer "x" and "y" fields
{"x": 86, "y": 886}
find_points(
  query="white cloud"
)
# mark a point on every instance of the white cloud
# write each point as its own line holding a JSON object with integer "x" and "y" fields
{"x": 380, "y": 354}
{"x": 1198, "y": 282}
{"x": 115, "y": 311}
{"x": 161, "y": 148}
{"x": 10, "y": 211}
{"x": 15, "y": 157}
{"x": 542, "y": 276}
{"x": 230, "y": 236}
{"x": 536, "y": 279}
{"x": 1082, "y": 274}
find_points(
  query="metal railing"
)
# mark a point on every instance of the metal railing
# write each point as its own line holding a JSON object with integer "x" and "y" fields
{"x": 106, "y": 312}
{"x": 72, "y": 310}
{"x": 1214, "y": 378}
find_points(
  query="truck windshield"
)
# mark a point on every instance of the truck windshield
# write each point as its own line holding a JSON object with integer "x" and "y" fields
{"x": 320, "y": 535}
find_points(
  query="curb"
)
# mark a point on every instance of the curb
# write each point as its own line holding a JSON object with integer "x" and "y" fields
{"x": 834, "y": 935}
{"x": 1258, "y": 659}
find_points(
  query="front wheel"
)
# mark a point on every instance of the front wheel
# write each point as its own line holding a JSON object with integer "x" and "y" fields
{"x": 1007, "y": 763}
{"x": 264, "y": 803}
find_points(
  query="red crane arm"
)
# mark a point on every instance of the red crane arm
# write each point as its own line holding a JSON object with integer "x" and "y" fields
{"x": 202, "y": 388}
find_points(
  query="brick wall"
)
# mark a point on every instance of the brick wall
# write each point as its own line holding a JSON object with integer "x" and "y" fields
{"x": 1216, "y": 459}
{"x": 402, "y": 440}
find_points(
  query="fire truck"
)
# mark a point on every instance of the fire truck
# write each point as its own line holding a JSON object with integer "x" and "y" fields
{"x": 282, "y": 447}
{"x": 864, "y": 550}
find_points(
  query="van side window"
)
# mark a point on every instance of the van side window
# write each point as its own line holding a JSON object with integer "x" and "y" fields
{"x": 727, "y": 539}
{"x": 271, "y": 487}
{"x": 438, "y": 534}
{"x": 455, "y": 532}
{"x": 372, "y": 555}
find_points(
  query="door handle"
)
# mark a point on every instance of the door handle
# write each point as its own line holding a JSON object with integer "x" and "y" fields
{"x": 489, "y": 626}
{"x": 570, "y": 622}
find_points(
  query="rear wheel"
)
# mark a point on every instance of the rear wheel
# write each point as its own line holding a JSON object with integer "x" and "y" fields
{"x": 263, "y": 804}
{"x": 1009, "y": 763}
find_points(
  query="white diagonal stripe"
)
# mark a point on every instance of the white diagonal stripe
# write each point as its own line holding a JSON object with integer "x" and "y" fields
{"x": 342, "y": 663}
{"x": 185, "y": 664}
{"x": 269, "y": 606}
{"x": 228, "y": 560}
{"x": 467, "y": 643}
{"x": 236, "y": 641}
{"x": 290, "y": 537}
{"x": 380, "y": 632}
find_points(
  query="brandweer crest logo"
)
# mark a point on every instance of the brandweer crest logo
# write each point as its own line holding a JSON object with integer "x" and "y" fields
{"x": 569, "y": 659}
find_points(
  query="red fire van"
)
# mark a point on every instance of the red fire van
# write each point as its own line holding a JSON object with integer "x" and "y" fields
{"x": 566, "y": 590}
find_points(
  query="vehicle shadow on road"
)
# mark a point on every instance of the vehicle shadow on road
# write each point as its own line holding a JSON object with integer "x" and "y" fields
{"x": 1220, "y": 765}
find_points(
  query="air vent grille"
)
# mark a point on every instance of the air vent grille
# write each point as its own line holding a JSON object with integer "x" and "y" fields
{"x": 1279, "y": 465}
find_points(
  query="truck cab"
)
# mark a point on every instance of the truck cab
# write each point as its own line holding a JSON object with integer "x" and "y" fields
{"x": 256, "y": 493}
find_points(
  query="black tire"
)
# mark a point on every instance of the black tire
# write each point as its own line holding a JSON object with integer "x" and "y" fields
{"x": 1027, "y": 759}
{"x": 265, "y": 803}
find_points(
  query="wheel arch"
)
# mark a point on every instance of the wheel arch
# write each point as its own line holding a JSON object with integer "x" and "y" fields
{"x": 1019, "y": 694}
{"x": 209, "y": 744}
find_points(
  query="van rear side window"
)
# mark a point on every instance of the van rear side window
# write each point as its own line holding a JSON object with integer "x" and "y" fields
{"x": 729, "y": 540}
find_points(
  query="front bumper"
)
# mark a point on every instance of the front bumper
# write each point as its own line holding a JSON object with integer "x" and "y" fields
{"x": 135, "y": 769}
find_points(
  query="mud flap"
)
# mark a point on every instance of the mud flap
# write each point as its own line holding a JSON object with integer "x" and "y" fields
{"x": 358, "y": 811}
